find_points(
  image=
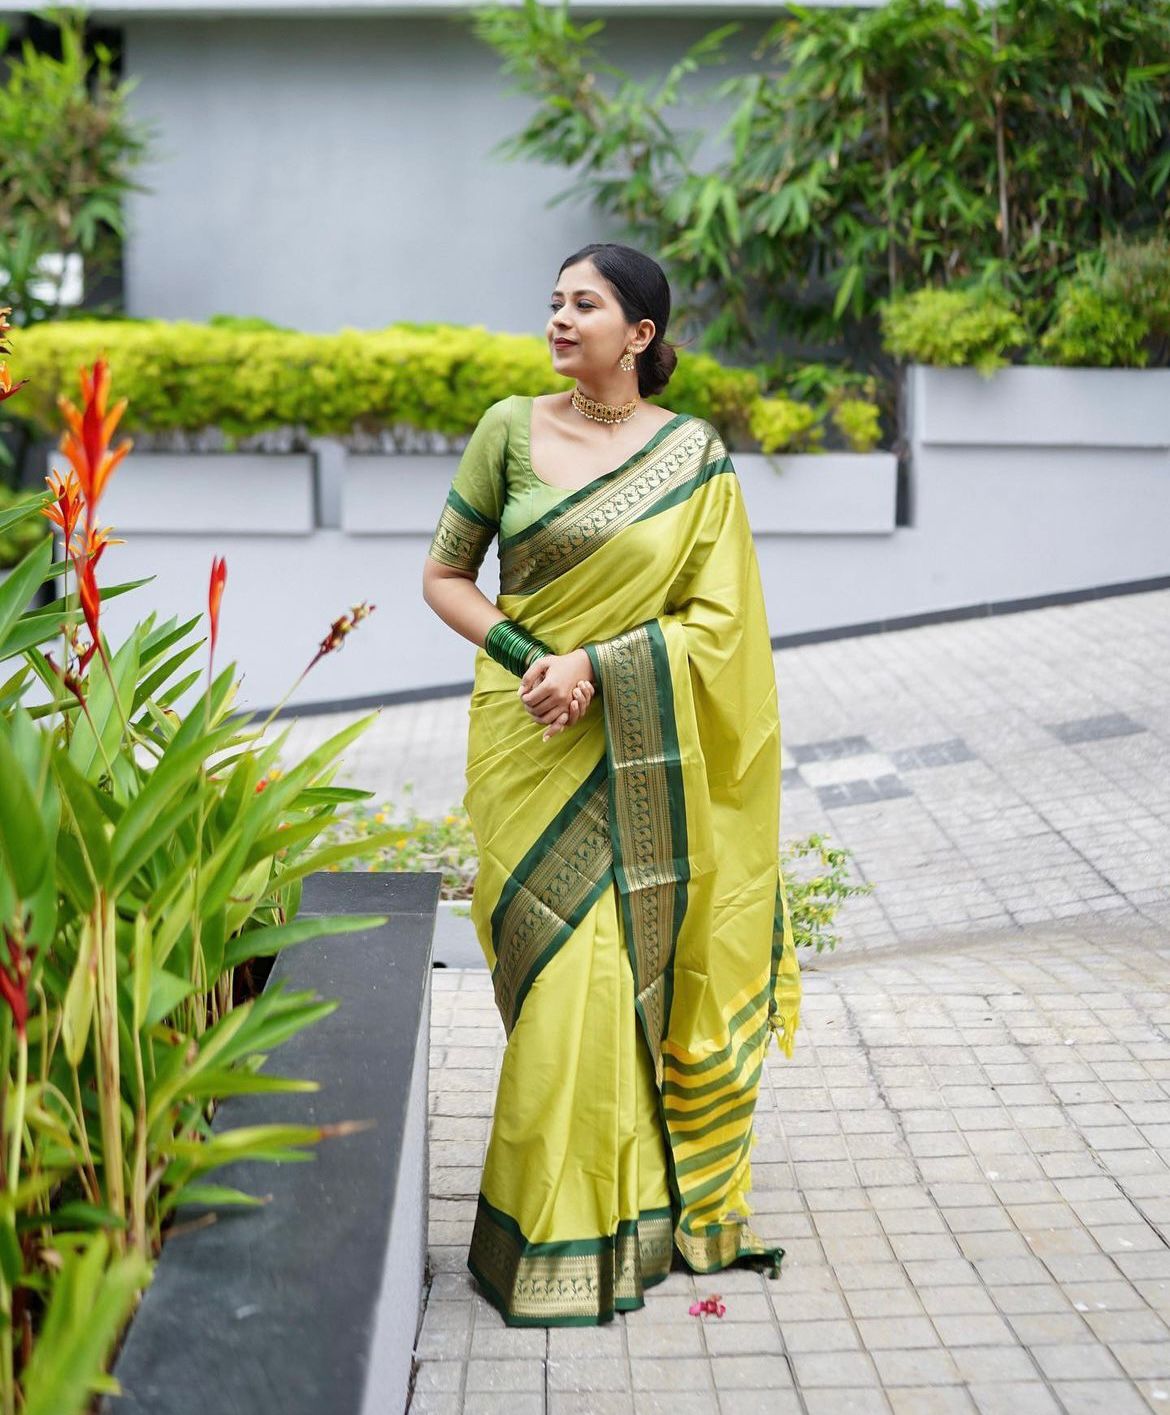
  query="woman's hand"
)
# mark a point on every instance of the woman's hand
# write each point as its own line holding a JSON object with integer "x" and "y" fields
{"x": 557, "y": 690}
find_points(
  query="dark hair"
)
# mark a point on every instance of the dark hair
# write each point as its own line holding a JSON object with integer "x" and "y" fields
{"x": 643, "y": 293}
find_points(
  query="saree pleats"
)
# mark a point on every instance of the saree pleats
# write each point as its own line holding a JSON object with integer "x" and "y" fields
{"x": 629, "y": 899}
{"x": 574, "y": 1217}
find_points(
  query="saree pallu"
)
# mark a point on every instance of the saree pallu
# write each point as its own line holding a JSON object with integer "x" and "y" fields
{"x": 629, "y": 899}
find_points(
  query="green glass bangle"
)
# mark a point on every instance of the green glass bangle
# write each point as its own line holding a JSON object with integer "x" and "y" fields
{"x": 513, "y": 647}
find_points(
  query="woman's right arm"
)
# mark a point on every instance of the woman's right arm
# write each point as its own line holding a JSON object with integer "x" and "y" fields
{"x": 458, "y": 600}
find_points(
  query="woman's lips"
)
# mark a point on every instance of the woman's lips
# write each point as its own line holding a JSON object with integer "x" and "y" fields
{"x": 563, "y": 343}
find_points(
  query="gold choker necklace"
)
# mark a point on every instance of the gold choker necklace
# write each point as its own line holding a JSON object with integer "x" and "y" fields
{"x": 604, "y": 412}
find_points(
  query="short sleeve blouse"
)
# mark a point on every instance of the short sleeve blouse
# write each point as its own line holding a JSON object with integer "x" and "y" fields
{"x": 494, "y": 490}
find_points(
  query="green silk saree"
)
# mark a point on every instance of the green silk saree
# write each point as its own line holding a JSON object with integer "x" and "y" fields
{"x": 629, "y": 900}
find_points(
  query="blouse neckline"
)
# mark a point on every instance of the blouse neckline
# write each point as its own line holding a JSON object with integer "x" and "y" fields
{"x": 651, "y": 442}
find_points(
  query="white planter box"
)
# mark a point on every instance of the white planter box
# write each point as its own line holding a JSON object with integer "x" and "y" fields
{"x": 1041, "y": 407}
{"x": 829, "y": 493}
{"x": 395, "y": 495}
{"x": 210, "y": 493}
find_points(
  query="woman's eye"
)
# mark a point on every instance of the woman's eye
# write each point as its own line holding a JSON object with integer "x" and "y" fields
{"x": 581, "y": 305}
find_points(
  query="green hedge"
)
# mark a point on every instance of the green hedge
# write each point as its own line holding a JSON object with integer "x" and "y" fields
{"x": 435, "y": 378}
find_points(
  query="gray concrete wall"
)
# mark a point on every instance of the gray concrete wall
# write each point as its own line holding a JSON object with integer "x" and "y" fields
{"x": 324, "y": 172}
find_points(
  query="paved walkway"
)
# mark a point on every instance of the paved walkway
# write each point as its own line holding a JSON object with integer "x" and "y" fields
{"x": 967, "y": 1159}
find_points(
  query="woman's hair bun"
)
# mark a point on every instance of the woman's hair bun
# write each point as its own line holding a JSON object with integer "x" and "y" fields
{"x": 656, "y": 363}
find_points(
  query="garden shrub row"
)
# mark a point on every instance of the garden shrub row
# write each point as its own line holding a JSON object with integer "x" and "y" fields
{"x": 435, "y": 378}
{"x": 246, "y": 380}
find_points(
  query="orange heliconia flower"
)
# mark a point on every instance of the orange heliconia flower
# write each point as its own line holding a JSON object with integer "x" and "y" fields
{"x": 85, "y": 562}
{"x": 86, "y": 442}
{"x": 7, "y": 387}
{"x": 215, "y": 595}
{"x": 65, "y": 511}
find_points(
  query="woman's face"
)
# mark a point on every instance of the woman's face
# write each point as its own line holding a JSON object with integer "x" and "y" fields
{"x": 585, "y": 314}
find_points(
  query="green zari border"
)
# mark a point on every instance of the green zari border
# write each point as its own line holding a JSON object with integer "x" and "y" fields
{"x": 550, "y": 891}
{"x": 579, "y": 1282}
{"x": 657, "y": 479}
{"x": 650, "y": 854}
{"x": 714, "y": 1251}
{"x": 462, "y": 536}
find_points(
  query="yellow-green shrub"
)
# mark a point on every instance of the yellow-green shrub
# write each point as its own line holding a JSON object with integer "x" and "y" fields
{"x": 1114, "y": 310}
{"x": 783, "y": 425}
{"x": 439, "y": 378}
{"x": 859, "y": 422}
{"x": 955, "y": 328}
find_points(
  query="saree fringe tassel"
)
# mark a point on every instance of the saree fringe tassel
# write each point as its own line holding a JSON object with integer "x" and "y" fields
{"x": 629, "y": 900}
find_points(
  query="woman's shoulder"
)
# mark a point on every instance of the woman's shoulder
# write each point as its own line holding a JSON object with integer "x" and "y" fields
{"x": 500, "y": 411}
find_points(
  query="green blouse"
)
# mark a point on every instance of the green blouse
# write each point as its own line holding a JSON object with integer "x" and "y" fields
{"x": 495, "y": 476}
{"x": 495, "y": 492}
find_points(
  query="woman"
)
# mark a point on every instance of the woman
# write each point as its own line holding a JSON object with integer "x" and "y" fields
{"x": 629, "y": 900}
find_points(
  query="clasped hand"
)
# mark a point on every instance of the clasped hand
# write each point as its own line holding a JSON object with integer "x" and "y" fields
{"x": 557, "y": 689}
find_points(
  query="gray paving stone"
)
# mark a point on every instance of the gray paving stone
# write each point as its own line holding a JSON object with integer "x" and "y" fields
{"x": 504, "y": 1374}
{"x": 862, "y": 1400}
{"x": 760, "y": 1402}
{"x": 919, "y": 1400}
{"x": 597, "y": 1373}
{"x": 834, "y": 1368}
{"x": 1084, "y": 1397}
{"x": 595, "y": 1402}
{"x": 1014, "y": 1398}
{"x": 919, "y": 1367}
{"x": 675, "y": 1402}
{"x": 478, "y": 1402}
{"x": 743, "y": 1339}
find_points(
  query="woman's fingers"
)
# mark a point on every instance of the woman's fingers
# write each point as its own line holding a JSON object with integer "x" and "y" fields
{"x": 556, "y": 726}
{"x": 556, "y": 721}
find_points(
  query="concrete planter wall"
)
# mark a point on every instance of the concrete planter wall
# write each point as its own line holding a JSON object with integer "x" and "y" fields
{"x": 829, "y": 493}
{"x": 1032, "y": 483}
{"x": 312, "y": 1302}
{"x": 222, "y": 494}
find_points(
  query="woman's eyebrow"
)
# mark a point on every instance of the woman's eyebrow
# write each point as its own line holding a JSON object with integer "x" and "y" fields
{"x": 579, "y": 292}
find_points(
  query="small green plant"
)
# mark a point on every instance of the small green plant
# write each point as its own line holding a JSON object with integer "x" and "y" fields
{"x": 976, "y": 326}
{"x": 814, "y": 899}
{"x": 858, "y": 421}
{"x": 782, "y": 424}
{"x": 445, "y": 843}
{"x": 1114, "y": 311}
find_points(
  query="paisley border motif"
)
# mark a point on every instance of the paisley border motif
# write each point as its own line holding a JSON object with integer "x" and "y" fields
{"x": 666, "y": 473}
{"x": 646, "y": 799}
{"x": 575, "y": 1283}
{"x": 550, "y": 891}
{"x": 462, "y": 536}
